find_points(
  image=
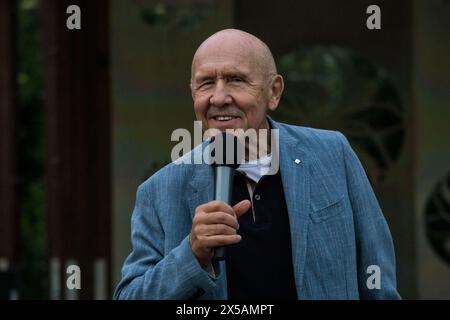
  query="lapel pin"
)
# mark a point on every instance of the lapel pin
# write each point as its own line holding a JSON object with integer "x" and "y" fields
{"x": 297, "y": 161}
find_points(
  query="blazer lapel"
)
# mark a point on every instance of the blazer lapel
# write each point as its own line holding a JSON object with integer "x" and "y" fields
{"x": 295, "y": 179}
{"x": 202, "y": 187}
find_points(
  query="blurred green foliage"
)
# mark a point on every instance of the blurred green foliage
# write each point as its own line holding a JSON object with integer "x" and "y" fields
{"x": 33, "y": 256}
{"x": 175, "y": 16}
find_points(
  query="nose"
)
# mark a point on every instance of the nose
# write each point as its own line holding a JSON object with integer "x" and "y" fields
{"x": 220, "y": 96}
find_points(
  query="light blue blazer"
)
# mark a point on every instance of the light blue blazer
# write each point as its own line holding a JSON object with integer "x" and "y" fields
{"x": 338, "y": 230}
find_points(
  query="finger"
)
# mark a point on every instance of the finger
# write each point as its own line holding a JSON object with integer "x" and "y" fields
{"x": 221, "y": 240}
{"x": 242, "y": 207}
{"x": 216, "y": 206}
{"x": 219, "y": 218}
{"x": 217, "y": 229}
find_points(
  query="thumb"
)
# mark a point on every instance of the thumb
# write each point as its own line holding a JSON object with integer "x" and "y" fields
{"x": 241, "y": 207}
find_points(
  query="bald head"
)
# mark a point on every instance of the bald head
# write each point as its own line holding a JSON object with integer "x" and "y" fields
{"x": 234, "y": 83}
{"x": 240, "y": 43}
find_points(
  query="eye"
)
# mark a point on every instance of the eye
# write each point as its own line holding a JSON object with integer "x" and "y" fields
{"x": 236, "y": 79}
{"x": 206, "y": 84}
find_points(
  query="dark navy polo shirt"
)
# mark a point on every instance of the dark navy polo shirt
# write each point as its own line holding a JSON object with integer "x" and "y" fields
{"x": 260, "y": 265}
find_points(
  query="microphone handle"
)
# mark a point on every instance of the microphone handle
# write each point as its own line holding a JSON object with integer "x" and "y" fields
{"x": 223, "y": 188}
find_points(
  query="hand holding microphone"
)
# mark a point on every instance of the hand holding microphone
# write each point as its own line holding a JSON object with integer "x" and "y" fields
{"x": 215, "y": 223}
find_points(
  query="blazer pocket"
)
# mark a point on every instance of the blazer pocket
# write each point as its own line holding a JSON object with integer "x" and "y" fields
{"x": 324, "y": 213}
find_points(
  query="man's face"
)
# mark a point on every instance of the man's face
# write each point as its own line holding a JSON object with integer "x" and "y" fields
{"x": 229, "y": 88}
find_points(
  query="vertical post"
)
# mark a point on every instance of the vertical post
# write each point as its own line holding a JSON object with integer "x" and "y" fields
{"x": 8, "y": 196}
{"x": 77, "y": 126}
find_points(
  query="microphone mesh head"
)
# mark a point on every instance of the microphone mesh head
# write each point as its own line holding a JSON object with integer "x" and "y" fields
{"x": 226, "y": 150}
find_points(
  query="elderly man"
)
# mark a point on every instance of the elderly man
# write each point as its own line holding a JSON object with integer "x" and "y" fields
{"x": 313, "y": 230}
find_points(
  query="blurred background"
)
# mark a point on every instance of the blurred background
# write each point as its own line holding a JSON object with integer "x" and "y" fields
{"x": 86, "y": 116}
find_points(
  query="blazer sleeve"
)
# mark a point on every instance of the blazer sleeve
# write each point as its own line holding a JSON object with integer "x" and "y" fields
{"x": 148, "y": 273}
{"x": 373, "y": 239}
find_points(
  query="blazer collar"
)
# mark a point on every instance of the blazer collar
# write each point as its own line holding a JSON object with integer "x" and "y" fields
{"x": 201, "y": 183}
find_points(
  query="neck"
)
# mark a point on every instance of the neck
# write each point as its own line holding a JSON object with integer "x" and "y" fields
{"x": 262, "y": 146}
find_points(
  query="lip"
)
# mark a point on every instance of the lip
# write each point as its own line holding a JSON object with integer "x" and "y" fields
{"x": 223, "y": 115}
{"x": 234, "y": 123}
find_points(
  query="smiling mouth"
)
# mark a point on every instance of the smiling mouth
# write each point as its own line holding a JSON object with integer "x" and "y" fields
{"x": 224, "y": 118}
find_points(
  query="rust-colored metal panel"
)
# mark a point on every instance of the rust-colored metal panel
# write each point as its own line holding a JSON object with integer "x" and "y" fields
{"x": 77, "y": 131}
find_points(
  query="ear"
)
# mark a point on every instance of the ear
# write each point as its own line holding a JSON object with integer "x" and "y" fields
{"x": 275, "y": 91}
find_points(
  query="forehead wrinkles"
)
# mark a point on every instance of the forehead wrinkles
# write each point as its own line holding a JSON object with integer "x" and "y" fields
{"x": 223, "y": 64}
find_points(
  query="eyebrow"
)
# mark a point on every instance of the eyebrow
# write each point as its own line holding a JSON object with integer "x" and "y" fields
{"x": 225, "y": 74}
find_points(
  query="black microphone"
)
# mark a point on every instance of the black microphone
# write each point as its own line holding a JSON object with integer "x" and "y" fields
{"x": 227, "y": 157}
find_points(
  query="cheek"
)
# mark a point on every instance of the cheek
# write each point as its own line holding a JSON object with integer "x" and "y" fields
{"x": 200, "y": 107}
{"x": 255, "y": 110}
{"x": 252, "y": 105}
